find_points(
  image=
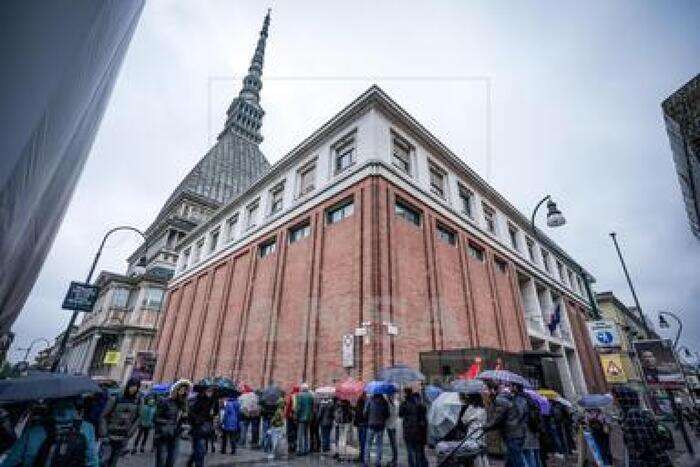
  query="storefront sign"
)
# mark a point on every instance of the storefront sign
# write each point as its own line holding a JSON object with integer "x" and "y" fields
{"x": 80, "y": 297}
{"x": 112, "y": 357}
{"x": 612, "y": 368}
{"x": 659, "y": 365}
{"x": 348, "y": 351}
{"x": 604, "y": 333}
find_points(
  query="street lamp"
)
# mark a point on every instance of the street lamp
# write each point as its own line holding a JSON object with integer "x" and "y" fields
{"x": 556, "y": 219}
{"x": 664, "y": 324}
{"x": 64, "y": 338}
{"x": 28, "y": 350}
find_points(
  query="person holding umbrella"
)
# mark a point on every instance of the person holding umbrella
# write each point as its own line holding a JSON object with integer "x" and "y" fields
{"x": 412, "y": 412}
{"x": 230, "y": 424}
{"x": 121, "y": 416}
{"x": 507, "y": 415}
{"x": 201, "y": 417}
{"x": 171, "y": 412}
{"x": 376, "y": 414}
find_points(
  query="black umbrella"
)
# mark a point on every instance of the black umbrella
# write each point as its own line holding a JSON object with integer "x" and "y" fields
{"x": 225, "y": 387}
{"x": 270, "y": 395}
{"x": 45, "y": 386}
{"x": 204, "y": 384}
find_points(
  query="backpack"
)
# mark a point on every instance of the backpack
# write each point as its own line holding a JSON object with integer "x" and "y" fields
{"x": 64, "y": 446}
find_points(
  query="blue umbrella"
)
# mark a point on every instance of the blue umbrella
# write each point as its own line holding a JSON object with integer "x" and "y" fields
{"x": 504, "y": 376}
{"x": 595, "y": 401}
{"x": 432, "y": 392}
{"x": 160, "y": 389}
{"x": 401, "y": 375}
{"x": 380, "y": 387}
{"x": 42, "y": 385}
{"x": 468, "y": 386}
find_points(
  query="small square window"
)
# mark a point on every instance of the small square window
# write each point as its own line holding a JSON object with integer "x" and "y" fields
{"x": 120, "y": 297}
{"x": 446, "y": 235}
{"x": 406, "y": 212}
{"x": 231, "y": 227}
{"x": 490, "y": 218}
{"x": 153, "y": 298}
{"x": 299, "y": 232}
{"x": 437, "y": 181}
{"x": 401, "y": 154}
{"x": 337, "y": 214}
{"x": 276, "y": 198}
{"x": 475, "y": 251}
{"x": 268, "y": 248}
{"x": 252, "y": 215}
{"x": 501, "y": 265}
{"x": 465, "y": 198}
{"x": 213, "y": 240}
{"x": 344, "y": 154}
{"x": 307, "y": 179}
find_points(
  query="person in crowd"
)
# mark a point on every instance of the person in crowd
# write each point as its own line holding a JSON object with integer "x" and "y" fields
{"x": 326, "y": 412}
{"x": 342, "y": 417}
{"x": 507, "y": 414}
{"x": 267, "y": 410}
{"x": 376, "y": 413}
{"x": 474, "y": 420}
{"x": 413, "y": 414}
{"x": 121, "y": 416}
{"x": 599, "y": 427}
{"x": 314, "y": 429}
{"x": 303, "y": 413}
{"x": 60, "y": 438}
{"x": 201, "y": 418}
{"x": 254, "y": 416}
{"x": 171, "y": 413}
{"x": 94, "y": 406}
{"x": 645, "y": 448}
{"x": 391, "y": 423}
{"x": 290, "y": 419}
{"x": 359, "y": 420}
{"x": 145, "y": 424}
{"x": 7, "y": 432}
{"x": 276, "y": 428}
{"x": 533, "y": 427}
{"x": 230, "y": 419}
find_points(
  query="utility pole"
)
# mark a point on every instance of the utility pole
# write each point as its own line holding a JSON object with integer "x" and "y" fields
{"x": 629, "y": 282}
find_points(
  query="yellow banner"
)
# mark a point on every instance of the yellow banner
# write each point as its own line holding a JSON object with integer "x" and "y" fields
{"x": 612, "y": 368}
{"x": 112, "y": 357}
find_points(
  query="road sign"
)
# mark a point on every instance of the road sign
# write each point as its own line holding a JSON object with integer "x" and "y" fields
{"x": 604, "y": 333}
{"x": 80, "y": 297}
{"x": 612, "y": 368}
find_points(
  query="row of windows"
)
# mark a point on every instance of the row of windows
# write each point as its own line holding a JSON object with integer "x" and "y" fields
{"x": 153, "y": 297}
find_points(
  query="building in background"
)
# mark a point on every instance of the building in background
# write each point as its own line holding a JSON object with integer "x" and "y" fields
{"x": 370, "y": 244}
{"x": 682, "y": 118}
{"x": 60, "y": 60}
{"x": 122, "y": 324}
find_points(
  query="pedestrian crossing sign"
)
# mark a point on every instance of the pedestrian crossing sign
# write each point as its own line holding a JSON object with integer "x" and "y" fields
{"x": 612, "y": 368}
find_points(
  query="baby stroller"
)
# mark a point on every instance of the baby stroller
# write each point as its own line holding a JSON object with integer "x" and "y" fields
{"x": 466, "y": 452}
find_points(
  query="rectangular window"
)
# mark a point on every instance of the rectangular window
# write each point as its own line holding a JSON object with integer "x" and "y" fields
{"x": 513, "y": 232}
{"x": 344, "y": 154}
{"x": 252, "y": 215}
{"x": 407, "y": 213}
{"x": 231, "y": 227}
{"x": 572, "y": 284}
{"x": 120, "y": 297}
{"x": 530, "y": 249}
{"x": 268, "y": 248}
{"x": 299, "y": 232}
{"x": 185, "y": 259}
{"x": 199, "y": 246}
{"x": 401, "y": 153}
{"x": 490, "y": 218}
{"x": 500, "y": 264}
{"x": 213, "y": 240}
{"x": 560, "y": 271}
{"x": 437, "y": 181}
{"x": 154, "y": 298}
{"x": 545, "y": 260}
{"x": 446, "y": 235}
{"x": 465, "y": 198}
{"x": 475, "y": 251}
{"x": 338, "y": 213}
{"x": 307, "y": 179}
{"x": 276, "y": 198}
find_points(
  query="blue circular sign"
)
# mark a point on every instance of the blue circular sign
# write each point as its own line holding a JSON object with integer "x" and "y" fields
{"x": 604, "y": 337}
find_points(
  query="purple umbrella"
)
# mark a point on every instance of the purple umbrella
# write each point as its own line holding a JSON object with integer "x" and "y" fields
{"x": 541, "y": 401}
{"x": 504, "y": 376}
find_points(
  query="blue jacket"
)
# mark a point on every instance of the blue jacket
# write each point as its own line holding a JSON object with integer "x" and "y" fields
{"x": 231, "y": 415}
{"x": 23, "y": 452}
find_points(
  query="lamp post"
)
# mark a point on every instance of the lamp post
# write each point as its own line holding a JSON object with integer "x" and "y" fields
{"x": 556, "y": 219}
{"x": 664, "y": 324}
{"x": 28, "y": 350}
{"x": 64, "y": 338}
{"x": 613, "y": 235}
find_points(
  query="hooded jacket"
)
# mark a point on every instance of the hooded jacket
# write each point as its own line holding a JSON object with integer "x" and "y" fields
{"x": 508, "y": 415}
{"x": 170, "y": 413}
{"x": 122, "y": 413}
{"x": 231, "y": 415}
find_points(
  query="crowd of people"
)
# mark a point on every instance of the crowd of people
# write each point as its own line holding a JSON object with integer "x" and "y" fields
{"x": 103, "y": 428}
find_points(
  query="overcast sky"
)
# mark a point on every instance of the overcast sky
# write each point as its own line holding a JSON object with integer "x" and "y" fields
{"x": 575, "y": 93}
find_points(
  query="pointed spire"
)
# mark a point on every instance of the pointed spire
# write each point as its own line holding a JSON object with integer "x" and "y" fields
{"x": 245, "y": 114}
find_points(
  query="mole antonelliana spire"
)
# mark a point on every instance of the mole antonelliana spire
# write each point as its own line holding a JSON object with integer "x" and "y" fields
{"x": 245, "y": 114}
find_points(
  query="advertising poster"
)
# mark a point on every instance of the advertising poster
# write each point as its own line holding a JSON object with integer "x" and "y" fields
{"x": 659, "y": 365}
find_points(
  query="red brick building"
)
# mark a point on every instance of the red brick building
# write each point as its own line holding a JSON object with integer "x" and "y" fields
{"x": 370, "y": 228}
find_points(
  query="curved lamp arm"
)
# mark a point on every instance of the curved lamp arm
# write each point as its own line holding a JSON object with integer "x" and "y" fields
{"x": 680, "y": 326}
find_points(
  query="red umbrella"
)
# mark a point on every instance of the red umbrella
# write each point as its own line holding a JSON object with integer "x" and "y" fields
{"x": 349, "y": 390}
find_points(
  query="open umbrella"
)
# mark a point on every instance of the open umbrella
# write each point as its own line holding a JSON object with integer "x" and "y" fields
{"x": 504, "y": 376}
{"x": 270, "y": 395}
{"x": 443, "y": 415}
{"x": 225, "y": 387}
{"x": 432, "y": 392}
{"x": 249, "y": 403}
{"x": 541, "y": 401}
{"x": 349, "y": 390}
{"x": 204, "y": 384}
{"x": 595, "y": 401}
{"x": 468, "y": 386}
{"x": 401, "y": 375}
{"x": 380, "y": 387}
{"x": 564, "y": 402}
{"x": 45, "y": 386}
{"x": 550, "y": 394}
{"x": 160, "y": 389}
